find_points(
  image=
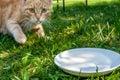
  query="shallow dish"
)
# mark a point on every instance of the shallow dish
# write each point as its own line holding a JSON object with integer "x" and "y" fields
{"x": 88, "y": 61}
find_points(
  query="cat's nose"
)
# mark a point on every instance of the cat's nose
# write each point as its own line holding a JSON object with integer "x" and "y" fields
{"x": 38, "y": 18}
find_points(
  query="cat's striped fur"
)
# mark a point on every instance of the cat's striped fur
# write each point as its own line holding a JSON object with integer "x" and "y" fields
{"x": 17, "y": 16}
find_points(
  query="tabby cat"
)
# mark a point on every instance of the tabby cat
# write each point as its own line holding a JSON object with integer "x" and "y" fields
{"x": 17, "y": 16}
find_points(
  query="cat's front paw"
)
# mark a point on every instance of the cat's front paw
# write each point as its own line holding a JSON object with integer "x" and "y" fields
{"x": 39, "y": 30}
{"x": 21, "y": 39}
{"x": 40, "y": 33}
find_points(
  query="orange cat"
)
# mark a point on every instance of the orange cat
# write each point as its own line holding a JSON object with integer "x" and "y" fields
{"x": 17, "y": 16}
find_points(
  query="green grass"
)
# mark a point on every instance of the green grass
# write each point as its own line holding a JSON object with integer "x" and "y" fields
{"x": 97, "y": 25}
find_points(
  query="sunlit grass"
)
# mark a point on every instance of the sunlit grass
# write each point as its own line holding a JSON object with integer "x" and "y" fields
{"x": 90, "y": 2}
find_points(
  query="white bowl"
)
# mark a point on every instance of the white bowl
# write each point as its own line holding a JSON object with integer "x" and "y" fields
{"x": 88, "y": 61}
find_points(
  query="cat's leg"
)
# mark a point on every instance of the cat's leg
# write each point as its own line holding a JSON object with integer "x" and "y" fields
{"x": 16, "y": 31}
{"x": 39, "y": 30}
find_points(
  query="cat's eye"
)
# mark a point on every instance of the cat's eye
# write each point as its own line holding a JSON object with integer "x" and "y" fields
{"x": 32, "y": 10}
{"x": 44, "y": 10}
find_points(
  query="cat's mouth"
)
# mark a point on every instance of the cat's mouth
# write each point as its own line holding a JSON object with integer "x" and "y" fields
{"x": 39, "y": 22}
{"x": 36, "y": 23}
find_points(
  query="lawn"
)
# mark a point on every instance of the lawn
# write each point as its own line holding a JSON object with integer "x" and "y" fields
{"x": 97, "y": 25}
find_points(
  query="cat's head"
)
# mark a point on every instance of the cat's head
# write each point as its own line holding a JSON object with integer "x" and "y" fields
{"x": 37, "y": 10}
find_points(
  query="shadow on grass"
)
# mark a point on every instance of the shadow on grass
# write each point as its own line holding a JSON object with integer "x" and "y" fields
{"x": 81, "y": 20}
{"x": 102, "y": 12}
{"x": 73, "y": 28}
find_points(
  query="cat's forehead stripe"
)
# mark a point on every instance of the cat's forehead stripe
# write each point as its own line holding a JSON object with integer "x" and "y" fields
{"x": 39, "y": 5}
